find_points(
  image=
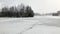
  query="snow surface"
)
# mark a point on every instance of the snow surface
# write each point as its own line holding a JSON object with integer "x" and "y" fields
{"x": 35, "y": 25}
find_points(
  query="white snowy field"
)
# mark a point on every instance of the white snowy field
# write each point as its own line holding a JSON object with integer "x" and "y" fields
{"x": 35, "y": 25}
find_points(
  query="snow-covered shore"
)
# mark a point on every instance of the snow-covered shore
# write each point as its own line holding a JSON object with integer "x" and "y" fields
{"x": 35, "y": 25}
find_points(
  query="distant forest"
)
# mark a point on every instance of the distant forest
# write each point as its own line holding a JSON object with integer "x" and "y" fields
{"x": 19, "y": 11}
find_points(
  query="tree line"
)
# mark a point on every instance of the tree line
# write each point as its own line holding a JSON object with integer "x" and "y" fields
{"x": 21, "y": 11}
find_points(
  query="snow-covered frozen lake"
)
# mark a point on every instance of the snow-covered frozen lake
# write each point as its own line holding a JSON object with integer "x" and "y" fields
{"x": 35, "y": 25}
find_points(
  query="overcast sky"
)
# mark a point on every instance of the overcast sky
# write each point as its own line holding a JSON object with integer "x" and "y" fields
{"x": 39, "y": 6}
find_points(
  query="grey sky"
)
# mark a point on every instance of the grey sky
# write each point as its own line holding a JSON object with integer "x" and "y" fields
{"x": 39, "y": 6}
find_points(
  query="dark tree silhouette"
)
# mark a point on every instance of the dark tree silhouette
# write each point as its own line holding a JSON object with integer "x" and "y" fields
{"x": 29, "y": 12}
{"x": 23, "y": 11}
{"x": 55, "y": 14}
{"x": 4, "y": 11}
